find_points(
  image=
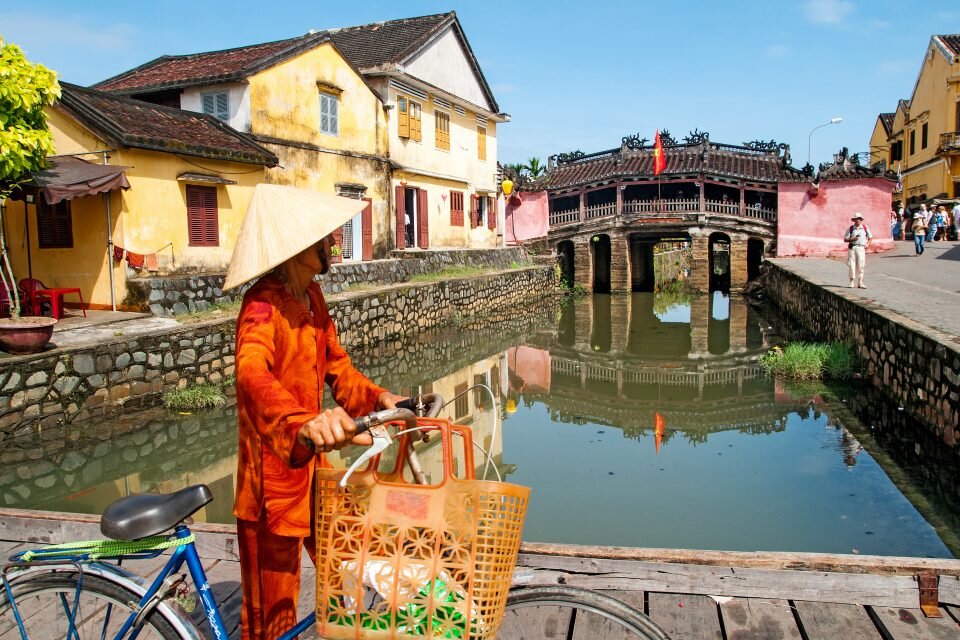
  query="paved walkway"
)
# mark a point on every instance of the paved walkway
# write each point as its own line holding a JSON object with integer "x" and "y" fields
{"x": 923, "y": 288}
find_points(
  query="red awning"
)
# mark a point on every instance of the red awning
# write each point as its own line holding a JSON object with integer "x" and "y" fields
{"x": 67, "y": 177}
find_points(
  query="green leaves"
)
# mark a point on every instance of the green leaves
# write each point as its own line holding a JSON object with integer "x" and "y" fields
{"x": 25, "y": 89}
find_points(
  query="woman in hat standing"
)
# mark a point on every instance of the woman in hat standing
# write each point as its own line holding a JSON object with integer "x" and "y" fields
{"x": 287, "y": 348}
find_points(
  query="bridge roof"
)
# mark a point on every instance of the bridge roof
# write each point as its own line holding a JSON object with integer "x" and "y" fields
{"x": 711, "y": 159}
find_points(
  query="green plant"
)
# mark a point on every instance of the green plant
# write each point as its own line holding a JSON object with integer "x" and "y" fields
{"x": 197, "y": 396}
{"x": 515, "y": 265}
{"x": 335, "y": 250}
{"x": 217, "y": 309}
{"x": 25, "y": 141}
{"x": 535, "y": 168}
{"x": 811, "y": 361}
{"x": 449, "y": 272}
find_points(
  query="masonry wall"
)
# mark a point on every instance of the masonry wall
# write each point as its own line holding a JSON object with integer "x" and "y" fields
{"x": 78, "y": 383}
{"x": 914, "y": 366}
{"x": 168, "y": 296}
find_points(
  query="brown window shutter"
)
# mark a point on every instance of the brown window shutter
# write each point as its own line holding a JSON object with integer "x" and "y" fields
{"x": 491, "y": 213}
{"x": 202, "y": 222}
{"x": 423, "y": 219}
{"x": 211, "y": 230}
{"x": 338, "y": 237}
{"x": 403, "y": 117}
{"x": 366, "y": 221}
{"x": 401, "y": 217}
{"x": 474, "y": 212}
{"x": 54, "y": 225}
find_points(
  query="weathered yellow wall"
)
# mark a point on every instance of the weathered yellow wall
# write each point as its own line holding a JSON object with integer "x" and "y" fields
{"x": 441, "y": 232}
{"x": 149, "y": 217}
{"x": 285, "y": 104}
{"x": 934, "y": 101}
{"x": 879, "y": 147}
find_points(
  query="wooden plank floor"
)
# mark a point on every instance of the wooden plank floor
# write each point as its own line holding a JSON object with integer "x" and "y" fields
{"x": 760, "y": 600}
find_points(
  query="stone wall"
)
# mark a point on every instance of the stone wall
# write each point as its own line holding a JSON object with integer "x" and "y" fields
{"x": 168, "y": 296}
{"x": 77, "y": 383}
{"x": 918, "y": 368}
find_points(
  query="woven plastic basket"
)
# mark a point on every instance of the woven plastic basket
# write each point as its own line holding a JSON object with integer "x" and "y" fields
{"x": 401, "y": 560}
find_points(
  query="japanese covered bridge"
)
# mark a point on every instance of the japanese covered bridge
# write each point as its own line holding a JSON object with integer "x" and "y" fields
{"x": 608, "y": 210}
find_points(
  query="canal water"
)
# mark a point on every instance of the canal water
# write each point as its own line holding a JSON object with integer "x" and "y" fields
{"x": 638, "y": 420}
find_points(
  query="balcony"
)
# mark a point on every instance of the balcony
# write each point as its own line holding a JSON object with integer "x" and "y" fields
{"x": 949, "y": 143}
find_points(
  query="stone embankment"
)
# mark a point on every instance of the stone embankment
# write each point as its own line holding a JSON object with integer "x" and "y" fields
{"x": 89, "y": 381}
{"x": 914, "y": 365}
{"x": 171, "y": 295}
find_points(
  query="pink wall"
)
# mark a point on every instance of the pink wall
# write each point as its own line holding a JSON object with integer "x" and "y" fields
{"x": 529, "y": 218}
{"x": 813, "y": 225}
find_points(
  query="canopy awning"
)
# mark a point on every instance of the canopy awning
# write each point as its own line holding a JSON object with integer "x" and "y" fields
{"x": 68, "y": 177}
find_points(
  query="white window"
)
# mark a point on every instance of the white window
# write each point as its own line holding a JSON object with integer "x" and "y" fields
{"x": 328, "y": 114}
{"x": 217, "y": 105}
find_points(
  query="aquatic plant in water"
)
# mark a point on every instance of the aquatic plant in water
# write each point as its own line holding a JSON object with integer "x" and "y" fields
{"x": 198, "y": 396}
{"x": 811, "y": 361}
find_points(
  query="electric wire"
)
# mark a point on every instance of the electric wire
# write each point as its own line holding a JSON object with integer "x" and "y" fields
{"x": 496, "y": 415}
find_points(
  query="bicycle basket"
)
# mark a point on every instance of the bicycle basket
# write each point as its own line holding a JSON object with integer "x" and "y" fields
{"x": 400, "y": 560}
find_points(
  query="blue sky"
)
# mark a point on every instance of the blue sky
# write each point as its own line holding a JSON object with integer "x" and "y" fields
{"x": 572, "y": 75}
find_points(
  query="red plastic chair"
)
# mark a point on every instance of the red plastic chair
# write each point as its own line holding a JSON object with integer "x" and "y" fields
{"x": 4, "y": 302}
{"x": 36, "y": 293}
{"x": 31, "y": 299}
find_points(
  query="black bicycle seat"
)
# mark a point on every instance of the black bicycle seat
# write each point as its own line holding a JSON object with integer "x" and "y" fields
{"x": 143, "y": 515}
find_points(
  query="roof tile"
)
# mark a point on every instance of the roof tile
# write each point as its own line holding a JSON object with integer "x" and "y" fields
{"x": 144, "y": 125}
{"x": 380, "y": 43}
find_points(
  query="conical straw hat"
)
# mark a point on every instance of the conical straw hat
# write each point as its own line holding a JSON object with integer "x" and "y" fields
{"x": 281, "y": 222}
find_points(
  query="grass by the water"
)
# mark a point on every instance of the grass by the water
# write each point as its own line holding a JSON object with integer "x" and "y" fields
{"x": 216, "y": 310}
{"x": 449, "y": 273}
{"x": 197, "y": 396}
{"x": 811, "y": 361}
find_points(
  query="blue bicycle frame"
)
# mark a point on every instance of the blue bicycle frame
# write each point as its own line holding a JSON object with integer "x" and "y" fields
{"x": 188, "y": 553}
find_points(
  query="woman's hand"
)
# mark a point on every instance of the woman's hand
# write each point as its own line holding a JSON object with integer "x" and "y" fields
{"x": 387, "y": 400}
{"x": 332, "y": 429}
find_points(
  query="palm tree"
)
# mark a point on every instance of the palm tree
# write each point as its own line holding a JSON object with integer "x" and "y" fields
{"x": 534, "y": 168}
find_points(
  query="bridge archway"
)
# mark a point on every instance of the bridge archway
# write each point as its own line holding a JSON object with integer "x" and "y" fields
{"x": 565, "y": 254}
{"x": 600, "y": 253}
{"x": 642, "y": 274}
{"x": 754, "y": 257}
{"x": 718, "y": 326}
{"x": 719, "y": 262}
{"x": 601, "y": 330}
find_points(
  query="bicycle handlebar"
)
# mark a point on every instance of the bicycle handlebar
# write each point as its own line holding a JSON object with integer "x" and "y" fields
{"x": 428, "y": 404}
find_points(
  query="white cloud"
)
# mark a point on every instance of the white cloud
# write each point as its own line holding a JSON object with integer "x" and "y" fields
{"x": 830, "y": 12}
{"x": 776, "y": 51}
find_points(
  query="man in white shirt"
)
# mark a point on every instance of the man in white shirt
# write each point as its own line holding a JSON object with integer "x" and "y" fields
{"x": 858, "y": 238}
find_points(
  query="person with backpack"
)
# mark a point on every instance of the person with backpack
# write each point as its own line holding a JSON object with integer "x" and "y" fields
{"x": 858, "y": 238}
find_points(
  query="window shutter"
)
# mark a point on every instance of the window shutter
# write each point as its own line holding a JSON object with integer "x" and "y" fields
{"x": 366, "y": 223}
{"x": 338, "y": 238}
{"x": 415, "y": 131}
{"x": 491, "y": 213}
{"x": 208, "y": 103}
{"x": 223, "y": 106}
{"x": 482, "y": 143}
{"x": 423, "y": 219}
{"x": 401, "y": 218}
{"x": 403, "y": 120}
{"x": 202, "y": 223}
{"x": 456, "y": 208}
{"x": 474, "y": 212}
{"x": 442, "y": 130}
{"x": 54, "y": 225}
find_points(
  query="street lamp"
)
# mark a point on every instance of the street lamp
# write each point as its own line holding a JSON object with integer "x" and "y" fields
{"x": 810, "y": 137}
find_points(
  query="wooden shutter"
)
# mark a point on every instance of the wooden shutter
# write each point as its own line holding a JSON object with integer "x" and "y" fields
{"x": 474, "y": 211}
{"x": 442, "y": 130}
{"x": 415, "y": 129}
{"x": 401, "y": 217}
{"x": 482, "y": 143}
{"x": 403, "y": 117}
{"x": 491, "y": 213}
{"x": 202, "y": 223}
{"x": 366, "y": 221}
{"x": 423, "y": 219}
{"x": 456, "y": 208}
{"x": 54, "y": 225}
{"x": 338, "y": 238}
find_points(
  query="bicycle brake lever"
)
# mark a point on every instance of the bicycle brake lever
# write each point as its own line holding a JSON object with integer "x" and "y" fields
{"x": 381, "y": 440}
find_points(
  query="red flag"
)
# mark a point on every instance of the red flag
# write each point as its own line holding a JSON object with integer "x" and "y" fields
{"x": 659, "y": 159}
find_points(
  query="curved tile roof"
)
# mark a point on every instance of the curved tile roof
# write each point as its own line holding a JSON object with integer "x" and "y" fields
{"x": 720, "y": 160}
{"x": 138, "y": 124}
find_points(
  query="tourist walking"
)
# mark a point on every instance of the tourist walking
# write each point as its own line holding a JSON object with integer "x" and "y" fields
{"x": 904, "y": 221}
{"x": 956, "y": 220}
{"x": 858, "y": 238}
{"x": 919, "y": 231}
{"x": 287, "y": 347}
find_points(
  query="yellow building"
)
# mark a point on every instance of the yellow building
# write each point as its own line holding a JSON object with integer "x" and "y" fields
{"x": 922, "y": 137}
{"x": 301, "y": 100}
{"x": 442, "y": 128}
{"x": 190, "y": 179}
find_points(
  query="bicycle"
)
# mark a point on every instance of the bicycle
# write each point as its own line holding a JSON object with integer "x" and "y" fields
{"x": 79, "y": 590}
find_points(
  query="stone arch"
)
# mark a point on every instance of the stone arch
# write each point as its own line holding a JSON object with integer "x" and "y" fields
{"x": 754, "y": 257}
{"x": 600, "y": 253}
{"x": 719, "y": 252}
{"x": 565, "y": 256}
{"x": 718, "y": 326}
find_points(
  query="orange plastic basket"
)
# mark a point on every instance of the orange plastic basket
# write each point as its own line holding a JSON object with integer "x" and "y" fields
{"x": 402, "y": 560}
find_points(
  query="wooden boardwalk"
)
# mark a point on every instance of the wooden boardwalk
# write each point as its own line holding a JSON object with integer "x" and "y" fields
{"x": 690, "y": 594}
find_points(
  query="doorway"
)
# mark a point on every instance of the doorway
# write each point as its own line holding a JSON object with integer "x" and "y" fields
{"x": 410, "y": 219}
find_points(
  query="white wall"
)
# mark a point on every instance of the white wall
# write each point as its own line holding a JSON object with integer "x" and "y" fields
{"x": 446, "y": 64}
{"x": 239, "y": 97}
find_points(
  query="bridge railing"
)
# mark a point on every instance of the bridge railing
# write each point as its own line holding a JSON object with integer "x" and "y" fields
{"x": 565, "y": 216}
{"x": 601, "y": 210}
{"x": 719, "y": 206}
{"x": 758, "y": 213}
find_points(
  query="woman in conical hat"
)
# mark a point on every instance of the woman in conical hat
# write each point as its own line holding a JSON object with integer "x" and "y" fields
{"x": 286, "y": 349}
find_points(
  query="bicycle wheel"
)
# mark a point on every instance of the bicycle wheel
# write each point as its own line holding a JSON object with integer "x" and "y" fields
{"x": 533, "y": 613}
{"x": 46, "y": 601}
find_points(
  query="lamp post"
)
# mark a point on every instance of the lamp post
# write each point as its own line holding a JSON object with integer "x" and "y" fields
{"x": 810, "y": 137}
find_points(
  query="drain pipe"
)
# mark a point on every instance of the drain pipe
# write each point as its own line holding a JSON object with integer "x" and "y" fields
{"x": 113, "y": 293}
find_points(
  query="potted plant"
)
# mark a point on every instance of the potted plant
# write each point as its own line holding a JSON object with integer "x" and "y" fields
{"x": 25, "y": 89}
{"x": 336, "y": 254}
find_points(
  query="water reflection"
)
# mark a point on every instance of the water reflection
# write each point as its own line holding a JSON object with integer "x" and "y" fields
{"x": 639, "y": 420}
